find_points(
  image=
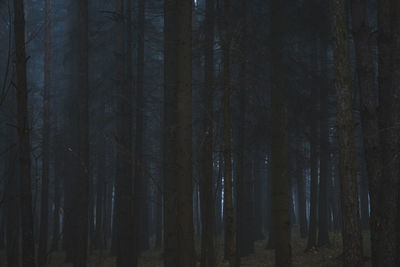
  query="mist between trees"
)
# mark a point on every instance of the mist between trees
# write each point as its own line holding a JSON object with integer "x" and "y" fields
{"x": 208, "y": 133}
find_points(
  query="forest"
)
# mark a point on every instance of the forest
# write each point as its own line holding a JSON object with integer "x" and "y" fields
{"x": 210, "y": 133}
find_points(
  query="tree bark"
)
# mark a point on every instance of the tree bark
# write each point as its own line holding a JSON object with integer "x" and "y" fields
{"x": 57, "y": 187}
{"x": 124, "y": 235}
{"x": 312, "y": 230}
{"x": 369, "y": 115}
{"x": 323, "y": 208}
{"x": 259, "y": 181}
{"x": 158, "y": 217}
{"x": 245, "y": 228}
{"x": 28, "y": 243}
{"x": 178, "y": 189}
{"x": 301, "y": 192}
{"x": 351, "y": 228}
{"x": 43, "y": 236}
{"x": 208, "y": 257}
{"x": 184, "y": 133}
{"x": 81, "y": 201}
{"x": 218, "y": 194}
{"x": 270, "y": 226}
{"x": 169, "y": 136}
{"x": 229, "y": 235}
{"x": 100, "y": 192}
{"x": 388, "y": 118}
{"x": 280, "y": 180}
{"x": 140, "y": 193}
{"x": 11, "y": 210}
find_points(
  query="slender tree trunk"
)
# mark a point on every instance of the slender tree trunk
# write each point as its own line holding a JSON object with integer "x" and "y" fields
{"x": 259, "y": 180}
{"x": 323, "y": 208}
{"x": 81, "y": 220}
{"x": 196, "y": 209}
{"x": 369, "y": 115}
{"x": 337, "y": 215}
{"x": 364, "y": 207}
{"x": 244, "y": 236}
{"x": 108, "y": 214}
{"x": 178, "y": 189}
{"x": 184, "y": 133}
{"x": 42, "y": 251}
{"x": 68, "y": 168}
{"x": 292, "y": 214}
{"x": 91, "y": 214}
{"x": 270, "y": 228}
{"x": 218, "y": 193}
{"x": 158, "y": 211}
{"x": 28, "y": 243}
{"x": 11, "y": 210}
{"x": 140, "y": 192}
{"x": 100, "y": 197}
{"x": 314, "y": 157}
{"x": 171, "y": 255}
{"x": 145, "y": 213}
{"x": 3, "y": 242}
{"x": 396, "y": 114}
{"x": 208, "y": 257}
{"x": 280, "y": 180}
{"x": 312, "y": 230}
{"x": 70, "y": 143}
{"x": 57, "y": 187}
{"x": 389, "y": 117}
{"x": 229, "y": 235}
{"x": 301, "y": 192}
{"x": 351, "y": 228}
{"x": 124, "y": 235}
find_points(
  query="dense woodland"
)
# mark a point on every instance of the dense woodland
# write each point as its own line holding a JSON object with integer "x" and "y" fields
{"x": 208, "y": 133}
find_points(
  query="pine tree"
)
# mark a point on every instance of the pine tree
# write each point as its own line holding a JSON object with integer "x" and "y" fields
{"x": 280, "y": 179}
{"x": 351, "y": 227}
{"x": 24, "y": 148}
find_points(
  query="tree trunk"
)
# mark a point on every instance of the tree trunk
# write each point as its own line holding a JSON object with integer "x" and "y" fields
{"x": 337, "y": 214}
{"x": 140, "y": 192}
{"x": 301, "y": 192}
{"x": 81, "y": 201}
{"x": 351, "y": 228}
{"x": 229, "y": 235}
{"x": 208, "y": 257}
{"x": 218, "y": 193}
{"x": 270, "y": 226}
{"x": 100, "y": 192}
{"x": 244, "y": 183}
{"x": 184, "y": 133}
{"x": 3, "y": 236}
{"x": 28, "y": 243}
{"x": 158, "y": 217}
{"x": 259, "y": 180}
{"x": 389, "y": 117}
{"x": 323, "y": 208}
{"x": 108, "y": 213}
{"x": 171, "y": 254}
{"x": 364, "y": 207}
{"x": 11, "y": 210}
{"x": 123, "y": 230}
{"x": 57, "y": 187}
{"x": 178, "y": 189}
{"x": 42, "y": 251}
{"x": 280, "y": 180}
{"x": 91, "y": 213}
{"x": 312, "y": 230}
{"x": 369, "y": 115}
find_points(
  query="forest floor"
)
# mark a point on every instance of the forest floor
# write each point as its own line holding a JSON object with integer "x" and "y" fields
{"x": 328, "y": 256}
